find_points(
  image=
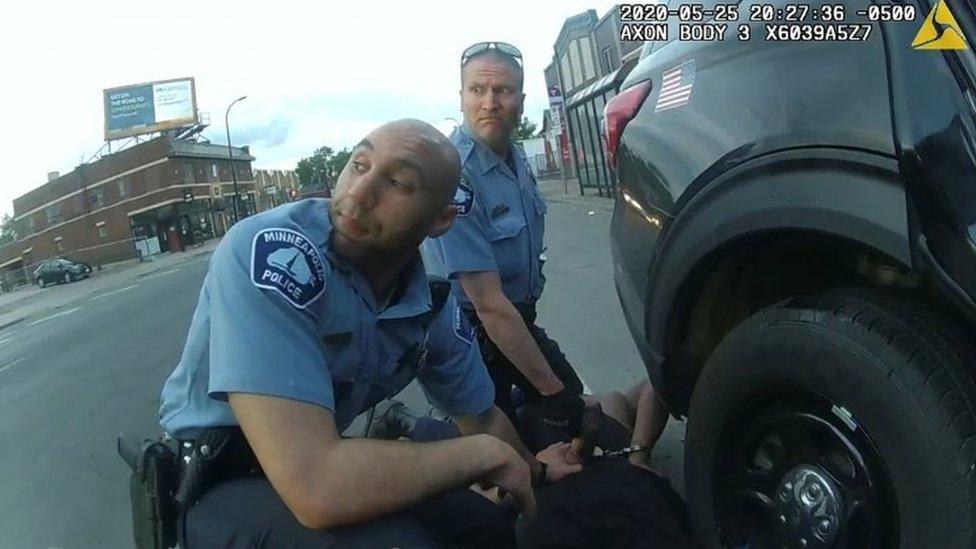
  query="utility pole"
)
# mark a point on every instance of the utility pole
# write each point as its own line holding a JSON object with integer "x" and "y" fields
{"x": 230, "y": 156}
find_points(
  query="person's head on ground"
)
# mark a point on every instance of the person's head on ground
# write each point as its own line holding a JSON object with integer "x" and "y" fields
{"x": 491, "y": 92}
{"x": 395, "y": 190}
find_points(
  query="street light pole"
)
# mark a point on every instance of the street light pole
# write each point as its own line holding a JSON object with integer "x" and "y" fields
{"x": 230, "y": 156}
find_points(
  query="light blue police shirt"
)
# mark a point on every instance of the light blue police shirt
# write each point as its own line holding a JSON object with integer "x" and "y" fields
{"x": 500, "y": 224}
{"x": 280, "y": 314}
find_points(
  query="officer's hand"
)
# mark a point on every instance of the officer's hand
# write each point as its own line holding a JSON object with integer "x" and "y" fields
{"x": 561, "y": 460}
{"x": 564, "y": 411}
{"x": 513, "y": 478}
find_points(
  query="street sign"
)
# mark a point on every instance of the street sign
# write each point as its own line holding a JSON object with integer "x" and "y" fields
{"x": 556, "y": 108}
{"x": 187, "y": 197}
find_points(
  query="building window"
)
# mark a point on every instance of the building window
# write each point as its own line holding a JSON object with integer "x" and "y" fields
{"x": 574, "y": 61}
{"x": 588, "y": 72}
{"x": 123, "y": 188}
{"x": 188, "y": 173}
{"x": 59, "y": 243}
{"x": 30, "y": 225}
{"x": 53, "y": 214}
{"x": 608, "y": 58}
{"x": 568, "y": 83}
{"x": 97, "y": 197}
{"x": 102, "y": 229}
{"x": 214, "y": 173}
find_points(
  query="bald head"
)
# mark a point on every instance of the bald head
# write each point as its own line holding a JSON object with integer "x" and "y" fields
{"x": 427, "y": 151}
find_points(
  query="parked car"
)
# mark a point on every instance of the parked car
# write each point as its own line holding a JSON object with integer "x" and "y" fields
{"x": 794, "y": 248}
{"x": 60, "y": 271}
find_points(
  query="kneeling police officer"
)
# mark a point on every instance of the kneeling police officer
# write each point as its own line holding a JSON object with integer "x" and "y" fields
{"x": 310, "y": 313}
{"x": 493, "y": 253}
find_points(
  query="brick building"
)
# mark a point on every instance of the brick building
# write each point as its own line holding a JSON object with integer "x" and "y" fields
{"x": 161, "y": 195}
{"x": 274, "y": 187}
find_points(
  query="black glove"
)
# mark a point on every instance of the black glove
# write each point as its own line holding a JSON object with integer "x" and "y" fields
{"x": 562, "y": 410}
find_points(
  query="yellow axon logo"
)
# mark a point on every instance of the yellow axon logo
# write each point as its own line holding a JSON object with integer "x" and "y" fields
{"x": 940, "y": 31}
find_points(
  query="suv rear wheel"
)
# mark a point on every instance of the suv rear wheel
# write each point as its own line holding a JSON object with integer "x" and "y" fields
{"x": 840, "y": 420}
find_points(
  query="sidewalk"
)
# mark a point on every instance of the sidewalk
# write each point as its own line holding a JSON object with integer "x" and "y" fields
{"x": 29, "y": 301}
{"x": 554, "y": 190}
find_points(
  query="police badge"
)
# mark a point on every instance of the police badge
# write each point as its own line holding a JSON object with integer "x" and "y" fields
{"x": 463, "y": 197}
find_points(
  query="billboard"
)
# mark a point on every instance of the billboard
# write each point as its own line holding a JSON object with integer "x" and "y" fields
{"x": 150, "y": 107}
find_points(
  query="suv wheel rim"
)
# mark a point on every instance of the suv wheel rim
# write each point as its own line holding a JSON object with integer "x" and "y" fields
{"x": 799, "y": 472}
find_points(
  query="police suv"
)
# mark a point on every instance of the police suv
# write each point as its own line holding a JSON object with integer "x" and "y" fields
{"x": 794, "y": 244}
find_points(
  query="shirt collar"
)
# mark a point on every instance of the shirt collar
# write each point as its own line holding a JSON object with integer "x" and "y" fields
{"x": 414, "y": 299}
{"x": 487, "y": 159}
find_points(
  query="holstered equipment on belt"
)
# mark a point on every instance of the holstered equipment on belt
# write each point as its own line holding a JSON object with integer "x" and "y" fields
{"x": 217, "y": 455}
{"x": 151, "y": 487}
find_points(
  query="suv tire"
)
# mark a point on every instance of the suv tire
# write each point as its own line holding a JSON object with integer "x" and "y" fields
{"x": 865, "y": 396}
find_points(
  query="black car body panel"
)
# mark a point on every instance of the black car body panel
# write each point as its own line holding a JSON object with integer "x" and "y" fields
{"x": 808, "y": 137}
{"x": 934, "y": 101}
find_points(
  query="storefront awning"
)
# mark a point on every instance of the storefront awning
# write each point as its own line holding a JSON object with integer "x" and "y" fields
{"x": 603, "y": 84}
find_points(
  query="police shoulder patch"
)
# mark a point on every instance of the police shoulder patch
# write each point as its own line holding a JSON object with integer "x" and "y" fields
{"x": 286, "y": 261}
{"x": 463, "y": 197}
{"x": 462, "y": 328}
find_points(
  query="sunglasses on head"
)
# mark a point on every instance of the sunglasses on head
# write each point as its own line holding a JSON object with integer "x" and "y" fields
{"x": 500, "y": 47}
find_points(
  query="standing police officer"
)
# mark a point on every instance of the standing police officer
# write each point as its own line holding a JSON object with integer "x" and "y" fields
{"x": 493, "y": 253}
{"x": 309, "y": 314}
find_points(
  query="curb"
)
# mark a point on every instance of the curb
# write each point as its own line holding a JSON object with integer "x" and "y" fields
{"x": 11, "y": 323}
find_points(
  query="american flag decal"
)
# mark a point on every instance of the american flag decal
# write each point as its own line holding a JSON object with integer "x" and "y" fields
{"x": 676, "y": 86}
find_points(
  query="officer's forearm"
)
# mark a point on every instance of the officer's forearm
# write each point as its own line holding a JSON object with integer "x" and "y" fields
{"x": 362, "y": 479}
{"x": 508, "y": 332}
{"x": 494, "y": 422}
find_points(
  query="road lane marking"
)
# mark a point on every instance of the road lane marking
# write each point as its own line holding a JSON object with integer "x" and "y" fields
{"x": 171, "y": 271}
{"x": 106, "y": 294}
{"x": 2, "y": 341}
{"x": 55, "y": 315}
{"x": 18, "y": 361}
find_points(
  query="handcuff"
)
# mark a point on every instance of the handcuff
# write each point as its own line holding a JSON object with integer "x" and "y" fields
{"x": 623, "y": 451}
{"x": 542, "y": 478}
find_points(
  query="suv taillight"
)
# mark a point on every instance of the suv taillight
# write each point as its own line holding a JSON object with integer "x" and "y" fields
{"x": 619, "y": 111}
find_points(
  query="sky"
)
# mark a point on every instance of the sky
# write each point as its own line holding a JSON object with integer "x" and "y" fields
{"x": 314, "y": 73}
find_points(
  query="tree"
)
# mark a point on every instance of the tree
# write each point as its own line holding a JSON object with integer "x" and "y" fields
{"x": 320, "y": 170}
{"x": 338, "y": 162}
{"x": 8, "y": 232}
{"x": 526, "y": 129}
{"x": 313, "y": 169}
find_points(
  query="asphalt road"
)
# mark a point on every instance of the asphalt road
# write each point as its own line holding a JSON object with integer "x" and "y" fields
{"x": 73, "y": 377}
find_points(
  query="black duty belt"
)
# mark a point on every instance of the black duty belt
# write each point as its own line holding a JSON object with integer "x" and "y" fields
{"x": 217, "y": 455}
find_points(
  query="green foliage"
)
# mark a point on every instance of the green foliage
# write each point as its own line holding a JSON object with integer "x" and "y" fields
{"x": 526, "y": 129}
{"x": 322, "y": 168}
{"x": 8, "y": 232}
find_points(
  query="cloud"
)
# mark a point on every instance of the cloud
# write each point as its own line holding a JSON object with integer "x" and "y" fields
{"x": 267, "y": 133}
{"x": 315, "y": 73}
